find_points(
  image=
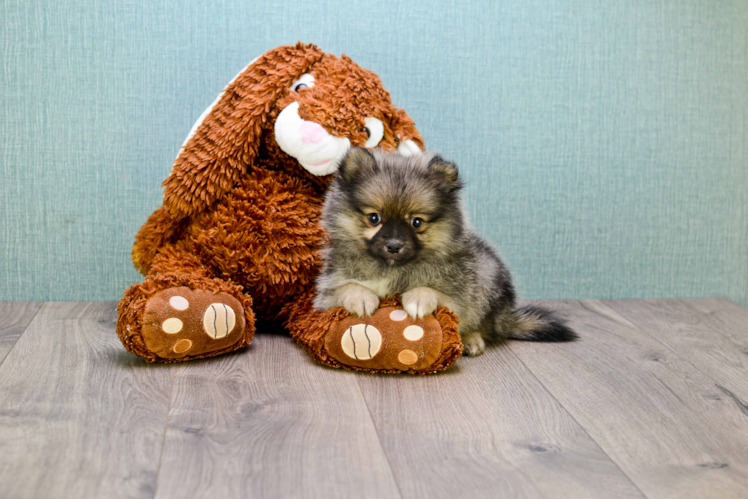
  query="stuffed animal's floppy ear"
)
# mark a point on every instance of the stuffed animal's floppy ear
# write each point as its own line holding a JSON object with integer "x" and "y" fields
{"x": 356, "y": 160}
{"x": 446, "y": 173}
{"x": 226, "y": 139}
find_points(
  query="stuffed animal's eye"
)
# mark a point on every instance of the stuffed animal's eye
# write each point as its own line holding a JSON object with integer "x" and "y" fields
{"x": 374, "y": 131}
{"x": 305, "y": 81}
{"x": 374, "y": 219}
{"x": 417, "y": 223}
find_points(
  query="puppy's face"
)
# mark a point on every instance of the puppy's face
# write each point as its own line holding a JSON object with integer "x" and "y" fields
{"x": 394, "y": 208}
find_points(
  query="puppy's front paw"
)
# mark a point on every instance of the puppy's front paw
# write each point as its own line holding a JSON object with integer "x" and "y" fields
{"x": 474, "y": 344}
{"x": 419, "y": 302}
{"x": 360, "y": 301}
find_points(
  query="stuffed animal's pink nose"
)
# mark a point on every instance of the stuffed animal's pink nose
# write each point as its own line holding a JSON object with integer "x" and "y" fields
{"x": 312, "y": 133}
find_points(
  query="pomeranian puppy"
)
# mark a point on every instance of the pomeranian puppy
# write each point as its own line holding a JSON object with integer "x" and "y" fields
{"x": 396, "y": 225}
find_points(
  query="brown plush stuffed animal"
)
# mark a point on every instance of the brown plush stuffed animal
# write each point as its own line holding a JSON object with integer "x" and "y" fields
{"x": 238, "y": 233}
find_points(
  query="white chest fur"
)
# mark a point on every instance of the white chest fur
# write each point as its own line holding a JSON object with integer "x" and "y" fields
{"x": 381, "y": 286}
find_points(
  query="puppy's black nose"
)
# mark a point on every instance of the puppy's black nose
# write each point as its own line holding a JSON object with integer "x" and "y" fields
{"x": 394, "y": 246}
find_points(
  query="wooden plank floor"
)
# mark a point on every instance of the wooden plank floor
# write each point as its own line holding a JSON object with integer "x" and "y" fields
{"x": 652, "y": 401}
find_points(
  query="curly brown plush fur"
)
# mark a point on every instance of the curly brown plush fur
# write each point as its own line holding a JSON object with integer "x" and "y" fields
{"x": 240, "y": 216}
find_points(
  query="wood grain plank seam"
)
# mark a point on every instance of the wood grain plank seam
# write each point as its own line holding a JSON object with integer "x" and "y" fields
{"x": 44, "y": 304}
{"x": 618, "y": 466}
{"x": 696, "y": 312}
{"x": 379, "y": 438}
{"x": 166, "y": 429}
{"x": 740, "y": 405}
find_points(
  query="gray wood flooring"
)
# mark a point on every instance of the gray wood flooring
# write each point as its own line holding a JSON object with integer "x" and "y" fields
{"x": 652, "y": 401}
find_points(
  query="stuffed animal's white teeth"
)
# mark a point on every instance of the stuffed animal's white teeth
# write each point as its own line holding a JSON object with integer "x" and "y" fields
{"x": 408, "y": 148}
{"x": 329, "y": 166}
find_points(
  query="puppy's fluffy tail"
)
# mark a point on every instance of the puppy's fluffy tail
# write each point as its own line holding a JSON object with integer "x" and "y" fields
{"x": 538, "y": 324}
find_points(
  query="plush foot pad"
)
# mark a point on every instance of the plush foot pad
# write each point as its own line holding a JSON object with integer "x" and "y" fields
{"x": 183, "y": 323}
{"x": 388, "y": 340}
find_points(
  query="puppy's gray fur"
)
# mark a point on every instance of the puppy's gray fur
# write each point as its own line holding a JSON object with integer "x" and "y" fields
{"x": 377, "y": 248}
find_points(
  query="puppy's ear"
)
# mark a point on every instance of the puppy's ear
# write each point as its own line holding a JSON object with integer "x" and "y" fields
{"x": 356, "y": 160}
{"x": 225, "y": 141}
{"x": 445, "y": 172}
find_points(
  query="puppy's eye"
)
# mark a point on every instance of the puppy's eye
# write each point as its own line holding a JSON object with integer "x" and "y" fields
{"x": 367, "y": 132}
{"x": 417, "y": 223}
{"x": 305, "y": 81}
{"x": 374, "y": 219}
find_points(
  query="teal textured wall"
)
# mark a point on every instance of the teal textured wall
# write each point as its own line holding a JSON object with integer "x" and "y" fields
{"x": 604, "y": 143}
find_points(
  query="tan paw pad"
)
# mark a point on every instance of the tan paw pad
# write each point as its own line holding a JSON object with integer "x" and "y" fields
{"x": 413, "y": 333}
{"x": 182, "y": 346}
{"x": 219, "y": 320}
{"x": 398, "y": 315}
{"x": 361, "y": 342}
{"x": 407, "y": 357}
{"x": 172, "y": 325}
{"x": 179, "y": 303}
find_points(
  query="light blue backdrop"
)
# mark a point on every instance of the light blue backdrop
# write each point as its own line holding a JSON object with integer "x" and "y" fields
{"x": 604, "y": 143}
